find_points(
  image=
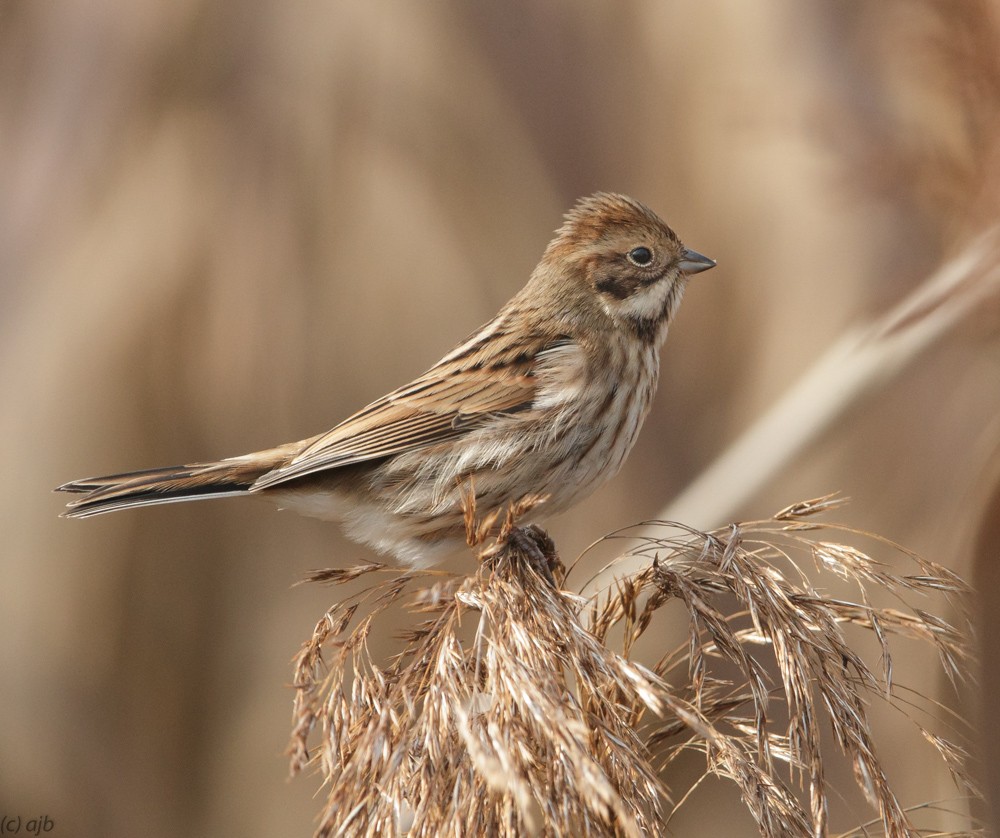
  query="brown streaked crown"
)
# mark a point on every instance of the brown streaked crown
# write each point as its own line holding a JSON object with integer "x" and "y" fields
{"x": 605, "y": 215}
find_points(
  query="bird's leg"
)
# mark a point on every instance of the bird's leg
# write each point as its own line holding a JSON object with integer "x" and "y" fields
{"x": 540, "y": 551}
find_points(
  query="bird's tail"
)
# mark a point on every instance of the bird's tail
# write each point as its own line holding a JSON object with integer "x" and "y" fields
{"x": 169, "y": 485}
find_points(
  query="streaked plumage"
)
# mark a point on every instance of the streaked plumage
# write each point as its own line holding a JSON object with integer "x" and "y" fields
{"x": 547, "y": 398}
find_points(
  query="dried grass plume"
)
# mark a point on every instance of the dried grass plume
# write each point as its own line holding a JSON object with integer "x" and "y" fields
{"x": 515, "y": 707}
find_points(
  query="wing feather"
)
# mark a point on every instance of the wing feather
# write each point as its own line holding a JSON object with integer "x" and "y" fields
{"x": 450, "y": 400}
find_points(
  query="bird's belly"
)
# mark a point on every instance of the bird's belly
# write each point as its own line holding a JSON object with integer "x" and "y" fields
{"x": 313, "y": 503}
{"x": 415, "y": 540}
{"x": 594, "y": 458}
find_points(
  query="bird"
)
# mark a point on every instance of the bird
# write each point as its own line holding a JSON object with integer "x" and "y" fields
{"x": 546, "y": 399}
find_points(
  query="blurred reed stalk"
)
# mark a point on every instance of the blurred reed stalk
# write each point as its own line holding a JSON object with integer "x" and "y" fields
{"x": 863, "y": 359}
{"x": 541, "y": 722}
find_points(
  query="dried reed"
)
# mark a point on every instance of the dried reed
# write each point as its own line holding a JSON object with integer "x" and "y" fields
{"x": 533, "y": 725}
{"x": 866, "y": 357}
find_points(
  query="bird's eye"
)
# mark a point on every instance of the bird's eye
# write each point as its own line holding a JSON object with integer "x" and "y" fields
{"x": 640, "y": 256}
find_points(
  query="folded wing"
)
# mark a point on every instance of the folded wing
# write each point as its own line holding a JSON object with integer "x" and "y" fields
{"x": 440, "y": 406}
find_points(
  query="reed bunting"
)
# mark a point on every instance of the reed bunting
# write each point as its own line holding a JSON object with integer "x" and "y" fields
{"x": 545, "y": 399}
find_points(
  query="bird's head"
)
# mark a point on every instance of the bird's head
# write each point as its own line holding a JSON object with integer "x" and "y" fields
{"x": 618, "y": 252}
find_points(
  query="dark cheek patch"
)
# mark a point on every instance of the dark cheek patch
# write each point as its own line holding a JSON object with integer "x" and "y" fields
{"x": 618, "y": 285}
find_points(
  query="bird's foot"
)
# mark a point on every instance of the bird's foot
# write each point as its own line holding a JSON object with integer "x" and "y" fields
{"x": 540, "y": 551}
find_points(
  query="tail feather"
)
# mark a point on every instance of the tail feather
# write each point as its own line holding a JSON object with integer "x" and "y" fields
{"x": 167, "y": 485}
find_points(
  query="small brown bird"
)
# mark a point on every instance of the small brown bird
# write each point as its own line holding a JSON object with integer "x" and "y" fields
{"x": 545, "y": 399}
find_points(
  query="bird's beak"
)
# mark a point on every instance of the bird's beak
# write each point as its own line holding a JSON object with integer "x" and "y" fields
{"x": 692, "y": 262}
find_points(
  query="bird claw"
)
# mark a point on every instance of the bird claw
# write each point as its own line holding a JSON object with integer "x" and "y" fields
{"x": 540, "y": 551}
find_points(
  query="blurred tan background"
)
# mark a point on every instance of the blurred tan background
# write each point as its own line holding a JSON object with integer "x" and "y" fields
{"x": 228, "y": 225}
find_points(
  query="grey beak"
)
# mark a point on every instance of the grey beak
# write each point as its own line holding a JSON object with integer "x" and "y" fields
{"x": 692, "y": 262}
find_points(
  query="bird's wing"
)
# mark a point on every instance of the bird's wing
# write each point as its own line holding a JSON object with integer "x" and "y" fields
{"x": 449, "y": 400}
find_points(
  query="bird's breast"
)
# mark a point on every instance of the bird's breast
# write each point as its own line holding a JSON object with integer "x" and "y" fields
{"x": 590, "y": 432}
